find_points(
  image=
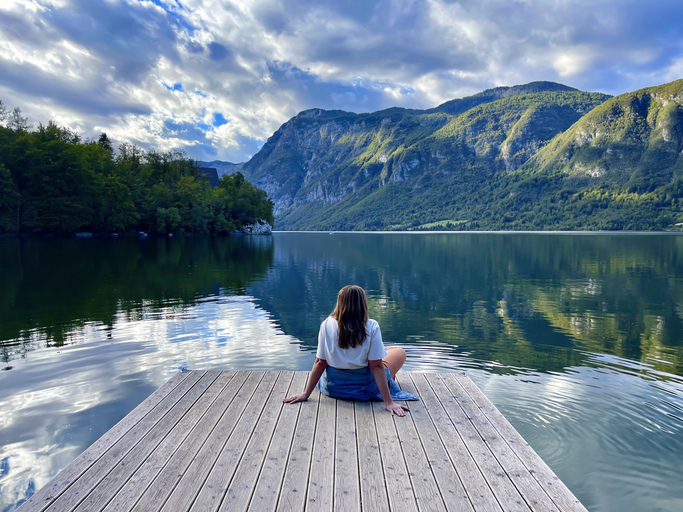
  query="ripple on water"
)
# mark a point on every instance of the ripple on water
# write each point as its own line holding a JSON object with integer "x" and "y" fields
{"x": 585, "y": 421}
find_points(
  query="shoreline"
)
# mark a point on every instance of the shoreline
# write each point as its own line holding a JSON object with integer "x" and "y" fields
{"x": 511, "y": 232}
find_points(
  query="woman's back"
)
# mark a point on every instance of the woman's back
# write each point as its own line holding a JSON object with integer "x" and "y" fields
{"x": 350, "y": 347}
{"x": 351, "y": 357}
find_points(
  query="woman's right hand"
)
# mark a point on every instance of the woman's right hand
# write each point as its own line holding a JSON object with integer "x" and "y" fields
{"x": 299, "y": 397}
{"x": 398, "y": 410}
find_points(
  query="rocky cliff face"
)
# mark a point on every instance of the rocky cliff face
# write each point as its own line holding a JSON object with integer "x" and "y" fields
{"x": 321, "y": 159}
{"x": 631, "y": 137}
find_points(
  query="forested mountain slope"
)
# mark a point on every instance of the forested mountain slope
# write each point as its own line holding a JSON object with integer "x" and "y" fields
{"x": 321, "y": 163}
{"x": 535, "y": 156}
{"x": 634, "y": 136}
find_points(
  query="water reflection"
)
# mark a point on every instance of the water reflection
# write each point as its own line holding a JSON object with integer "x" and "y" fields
{"x": 49, "y": 288}
{"x": 610, "y": 436}
{"x": 578, "y": 339}
{"x": 529, "y": 301}
{"x": 59, "y": 401}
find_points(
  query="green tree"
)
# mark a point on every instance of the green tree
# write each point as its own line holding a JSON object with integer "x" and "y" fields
{"x": 16, "y": 121}
{"x": 9, "y": 201}
{"x": 105, "y": 143}
{"x": 117, "y": 211}
{"x": 51, "y": 181}
{"x": 3, "y": 114}
{"x": 168, "y": 219}
{"x": 57, "y": 185}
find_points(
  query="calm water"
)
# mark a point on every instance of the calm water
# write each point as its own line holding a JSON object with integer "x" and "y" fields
{"x": 578, "y": 339}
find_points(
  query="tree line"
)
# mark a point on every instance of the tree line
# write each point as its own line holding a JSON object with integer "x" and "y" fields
{"x": 52, "y": 181}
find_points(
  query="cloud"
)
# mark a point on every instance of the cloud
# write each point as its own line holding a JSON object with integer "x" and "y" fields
{"x": 128, "y": 67}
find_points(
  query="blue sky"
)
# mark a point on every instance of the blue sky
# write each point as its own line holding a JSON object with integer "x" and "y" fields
{"x": 217, "y": 78}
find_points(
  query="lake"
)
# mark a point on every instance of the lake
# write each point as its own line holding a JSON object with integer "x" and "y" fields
{"x": 576, "y": 338}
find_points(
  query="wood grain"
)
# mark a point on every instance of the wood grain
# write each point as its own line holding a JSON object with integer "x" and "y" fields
{"x": 373, "y": 487}
{"x": 243, "y": 482}
{"x": 346, "y": 477}
{"x": 269, "y": 481}
{"x": 55, "y": 487}
{"x": 209, "y": 441}
{"x": 321, "y": 479}
{"x": 399, "y": 486}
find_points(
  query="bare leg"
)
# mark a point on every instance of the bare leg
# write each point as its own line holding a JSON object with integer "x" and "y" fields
{"x": 394, "y": 360}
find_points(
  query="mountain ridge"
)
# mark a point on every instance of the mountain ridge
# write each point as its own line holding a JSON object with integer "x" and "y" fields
{"x": 461, "y": 161}
{"x": 222, "y": 167}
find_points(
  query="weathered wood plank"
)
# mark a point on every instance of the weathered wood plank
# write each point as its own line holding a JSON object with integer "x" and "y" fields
{"x": 295, "y": 484}
{"x": 346, "y": 478}
{"x": 212, "y": 492}
{"x": 473, "y": 481}
{"x": 208, "y": 436}
{"x": 243, "y": 482}
{"x": 372, "y": 483}
{"x": 447, "y": 481}
{"x": 272, "y": 473}
{"x": 55, "y": 487}
{"x": 166, "y": 412}
{"x": 321, "y": 480}
{"x": 527, "y": 485}
{"x": 190, "y": 482}
{"x": 401, "y": 496}
{"x": 427, "y": 493}
{"x": 497, "y": 479}
{"x": 224, "y": 440}
{"x": 165, "y": 436}
{"x": 176, "y": 446}
{"x": 555, "y": 488}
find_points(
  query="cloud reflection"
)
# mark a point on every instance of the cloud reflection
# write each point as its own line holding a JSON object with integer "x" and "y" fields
{"x": 586, "y": 422}
{"x": 58, "y": 402}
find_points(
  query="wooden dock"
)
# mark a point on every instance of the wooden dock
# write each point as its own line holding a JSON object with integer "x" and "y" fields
{"x": 208, "y": 441}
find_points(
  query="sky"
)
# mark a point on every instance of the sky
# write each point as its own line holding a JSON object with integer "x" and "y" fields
{"x": 216, "y": 78}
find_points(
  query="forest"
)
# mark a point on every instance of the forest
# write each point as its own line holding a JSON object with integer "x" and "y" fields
{"x": 52, "y": 181}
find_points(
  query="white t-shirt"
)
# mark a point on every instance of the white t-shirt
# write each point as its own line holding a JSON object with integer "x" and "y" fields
{"x": 349, "y": 358}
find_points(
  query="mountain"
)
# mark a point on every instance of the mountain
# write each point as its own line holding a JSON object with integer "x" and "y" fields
{"x": 634, "y": 136}
{"x": 534, "y": 156}
{"x": 222, "y": 167}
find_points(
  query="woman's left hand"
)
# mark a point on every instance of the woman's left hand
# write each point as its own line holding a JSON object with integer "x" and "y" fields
{"x": 397, "y": 409}
{"x": 299, "y": 397}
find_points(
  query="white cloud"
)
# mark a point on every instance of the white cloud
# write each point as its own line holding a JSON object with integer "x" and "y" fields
{"x": 675, "y": 70}
{"x": 108, "y": 65}
{"x": 571, "y": 61}
{"x": 29, "y": 5}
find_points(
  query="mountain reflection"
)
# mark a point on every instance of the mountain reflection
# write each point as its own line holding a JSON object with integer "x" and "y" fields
{"x": 519, "y": 300}
{"x": 523, "y": 300}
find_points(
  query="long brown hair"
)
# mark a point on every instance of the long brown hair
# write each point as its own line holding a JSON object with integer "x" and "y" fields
{"x": 351, "y": 314}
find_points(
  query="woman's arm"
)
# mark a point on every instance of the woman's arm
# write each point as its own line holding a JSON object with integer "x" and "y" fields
{"x": 377, "y": 369}
{"x": 317, "y": 372}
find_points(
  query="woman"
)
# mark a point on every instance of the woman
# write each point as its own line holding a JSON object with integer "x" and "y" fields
{"x": 351, "y": 361}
